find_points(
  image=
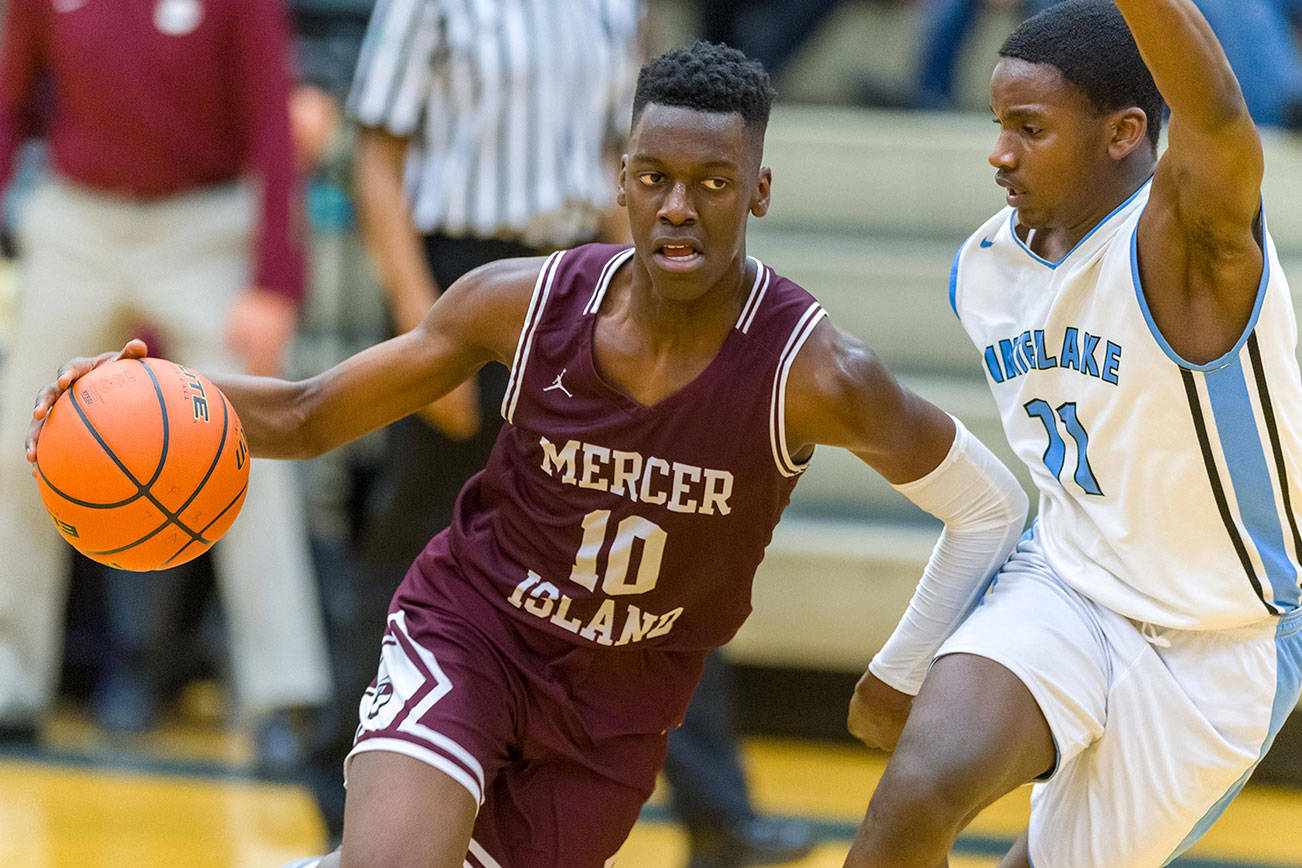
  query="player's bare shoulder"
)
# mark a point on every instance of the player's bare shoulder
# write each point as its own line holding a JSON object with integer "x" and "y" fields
{"x": 488, "y": 306}
{"x": 836, "y": 384}
{"x": 839, "y": 393}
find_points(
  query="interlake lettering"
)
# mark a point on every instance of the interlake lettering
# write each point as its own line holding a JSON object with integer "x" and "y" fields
{"x": 674, "y": 485}
{"x": 1032, "y": 351}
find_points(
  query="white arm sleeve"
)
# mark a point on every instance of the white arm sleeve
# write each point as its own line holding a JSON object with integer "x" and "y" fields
{"x": 984, "y": 510}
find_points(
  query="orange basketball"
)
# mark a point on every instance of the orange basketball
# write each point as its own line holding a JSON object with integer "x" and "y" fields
{"x": 142, "y": 464}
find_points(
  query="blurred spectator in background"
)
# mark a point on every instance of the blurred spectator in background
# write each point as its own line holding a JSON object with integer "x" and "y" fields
{"x": 770, "y": 31}
{"x": 327, "y": 40}
{"x": 158, "y": 112}
{"x": 343, "y": 314}
{"x": 945, "y": 28}
{"x": 1259, "y": 38}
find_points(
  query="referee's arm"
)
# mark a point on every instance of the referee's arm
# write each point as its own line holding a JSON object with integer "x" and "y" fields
{"x": 386, "y": 101}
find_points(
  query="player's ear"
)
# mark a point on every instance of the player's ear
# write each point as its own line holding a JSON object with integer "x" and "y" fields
{"x": 620, "y": 198}
{"x": 759, "y": 206}
{"x": 1129, "y": 129}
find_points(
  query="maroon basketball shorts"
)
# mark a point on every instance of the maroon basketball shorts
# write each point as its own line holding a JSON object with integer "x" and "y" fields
{"x": 549, "y": 796}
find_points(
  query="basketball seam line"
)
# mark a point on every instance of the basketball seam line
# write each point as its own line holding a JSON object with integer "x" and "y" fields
{"x": 216, "y": 519}
{"x": 162, "y": 409}
{"x": 83, "y": 503}
{"x": 143, "y": 490}
{"x": 221, "y": 446}
{"x": 153, "y": 533}
{"x": 162, "y": 460}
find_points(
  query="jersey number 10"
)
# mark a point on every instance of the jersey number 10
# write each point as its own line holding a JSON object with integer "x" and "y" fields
{"x": 1055, "y": 453}
{"x": 616, "y": 581}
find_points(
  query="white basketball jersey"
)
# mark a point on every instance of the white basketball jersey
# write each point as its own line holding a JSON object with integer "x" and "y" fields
{"x": 1167, "y": 489}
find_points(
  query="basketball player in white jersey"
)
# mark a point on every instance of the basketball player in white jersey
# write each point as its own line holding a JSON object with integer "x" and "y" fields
{"x": 1141, "y": 648}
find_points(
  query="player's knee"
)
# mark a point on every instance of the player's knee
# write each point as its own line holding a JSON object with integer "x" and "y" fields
{"x": 927, "y": 792}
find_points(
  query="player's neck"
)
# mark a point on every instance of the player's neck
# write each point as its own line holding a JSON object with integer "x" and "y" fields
{"x": 704, "y": 319}
{"x": 1053, "y": 242}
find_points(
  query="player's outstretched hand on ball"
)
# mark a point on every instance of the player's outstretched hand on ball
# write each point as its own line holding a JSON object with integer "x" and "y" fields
{"x": 67, "y": 374}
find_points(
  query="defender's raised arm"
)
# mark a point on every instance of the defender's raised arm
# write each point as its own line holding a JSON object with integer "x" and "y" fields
{"x": 1187, "y": 63}
{"x": 1200, "y": 260}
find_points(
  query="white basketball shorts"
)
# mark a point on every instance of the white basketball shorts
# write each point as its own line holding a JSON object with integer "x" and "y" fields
{"x": 1156, "y": 730}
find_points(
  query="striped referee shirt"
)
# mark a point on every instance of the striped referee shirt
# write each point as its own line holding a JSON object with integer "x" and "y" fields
{"x": 508, "y": 106}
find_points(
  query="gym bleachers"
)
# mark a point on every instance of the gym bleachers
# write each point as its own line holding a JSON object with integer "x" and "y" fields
{"x": 868, "y": 211}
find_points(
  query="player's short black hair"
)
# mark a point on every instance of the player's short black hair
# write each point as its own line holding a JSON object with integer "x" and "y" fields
{"x": 707, "y": 77}
{"x": 1090, "y": 44}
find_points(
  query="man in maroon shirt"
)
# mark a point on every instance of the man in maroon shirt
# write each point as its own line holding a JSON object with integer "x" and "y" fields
{"x": 159, "y": 110}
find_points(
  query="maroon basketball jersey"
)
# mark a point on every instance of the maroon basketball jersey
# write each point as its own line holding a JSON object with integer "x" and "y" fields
{"x": 615, "y": 527}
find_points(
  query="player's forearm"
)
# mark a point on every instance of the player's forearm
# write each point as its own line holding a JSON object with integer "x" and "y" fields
{"x": 386, "y": 228}
{"x": 369, "y": 390}
{"x": 303, "y": 419}
{"x": 1186, "y": 60}
{"x": 984, "y": 510}
{"x": 270, "y": 411}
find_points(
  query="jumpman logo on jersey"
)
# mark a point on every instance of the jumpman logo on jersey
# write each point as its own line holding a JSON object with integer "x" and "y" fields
{"x": 559, "y": 385}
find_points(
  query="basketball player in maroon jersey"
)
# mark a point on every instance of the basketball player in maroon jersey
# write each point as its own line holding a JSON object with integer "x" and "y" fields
{"x": 663, "y": 401}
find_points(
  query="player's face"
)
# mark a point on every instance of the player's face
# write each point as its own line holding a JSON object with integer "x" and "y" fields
{"x": 1051, "y": 155}
{"x": 689, "y": 180}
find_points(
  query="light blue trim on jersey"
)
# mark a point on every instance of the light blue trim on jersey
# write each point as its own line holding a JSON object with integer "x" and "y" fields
{"x": 1012, "y": 230}
{"x": 1245, "y": 458}
{"x": 1288, "y": 680}
{"x": 1157, "y": 334}
{"x": 953, "y": 284}
{"x": 953, "y": 271}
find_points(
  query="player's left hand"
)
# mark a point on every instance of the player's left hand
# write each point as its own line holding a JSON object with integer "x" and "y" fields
{"x": 260, "y": 328}
{"x": 877, "y": 712}
{"x": 68, "y": 374}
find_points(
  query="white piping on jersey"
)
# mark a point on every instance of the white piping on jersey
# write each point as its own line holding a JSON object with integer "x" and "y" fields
{"x": 786, "y": 465}
{"x": 485, "y": 861}
{"x": 430, "y": 757}
{"x": 757, "y": 290}
{"x": 603, "y": 280}
{"x": 536, "y": 303}
{"x": 748, "y": 310}
{"x": 410, "y": 724}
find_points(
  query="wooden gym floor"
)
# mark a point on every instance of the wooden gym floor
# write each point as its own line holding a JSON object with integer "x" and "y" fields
{"x": 183, "y": 796}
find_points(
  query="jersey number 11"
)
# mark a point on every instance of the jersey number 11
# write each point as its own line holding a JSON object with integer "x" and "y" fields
{"x": 1055, "y": 453}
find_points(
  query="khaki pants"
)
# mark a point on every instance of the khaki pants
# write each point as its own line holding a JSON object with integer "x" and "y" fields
{"x": 93, "y": 265}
